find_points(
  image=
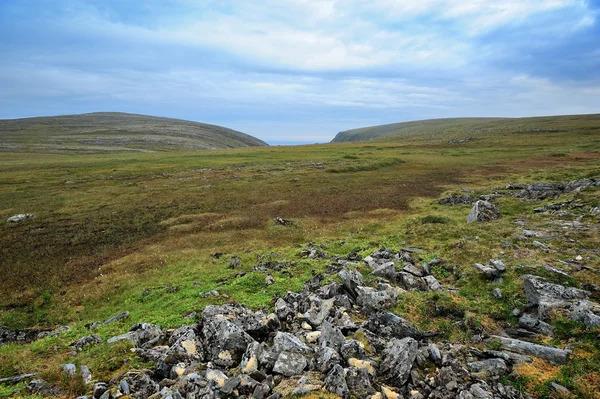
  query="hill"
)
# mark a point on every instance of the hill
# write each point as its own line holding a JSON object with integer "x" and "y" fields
{"x": 113, "y": 131}
{"x": 471, "y": 127}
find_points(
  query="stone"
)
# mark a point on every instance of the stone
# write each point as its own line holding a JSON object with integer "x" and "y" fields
{"x": 493, "y": 367}
{"x": 553, "y": 355}
{"x": 533, "y": 324}
{"x": 143, "y": 335}
{"x": 69, "y": 370}
{"x": 99, "y": 389}
{"x": 254, "y": 324}
{"x": 331, "y": 336}
{"x": 289, "y": 343}
{"x": 412, "y": 282}
{"x": 362, "y": 364}
{"x": 318, "y": 311}
{"x": 290, "y": 364}
{"x": 20, "y": 218}
{"x": 432, "y": 283}
{"x": 483, "y": 211}
{"x": 358, "y": 382}
{"x": 497, "y": 293}
{"x": 560, "y": 390}
{"x": 488, "y": 271}
{"x": 17, "y": 378}
{"x": 386, "y": 270}
{"x": 250, "y": 360}
{"x": 225, "y": 342}
{"x": 351, "y": 279}
{"x": 498, "y": 264}
{"x": 217, "y": 376}
{"x": 412, "y": 269}
{"x": 398, "y": 359}
{"x": 547, "y": 296}
{"x": 388, "y": 325}
{"x": 86, "y": 374}
{"x": 586, "y": 313}
{"x": 43, "y": 388}
{"x": 371, "y": 298}
{"x": 326, "y": 358}
{"x": 457, "y": 200}
{"x": 351, "y": 348}
{"x": 479, "y": 392}
{"x": 434, "y": 354}
{"x": 112, "y": 319}
{"x": 283, "y": 310}
{"x": 335, "y": 382}
{"x": 88, "y": 340}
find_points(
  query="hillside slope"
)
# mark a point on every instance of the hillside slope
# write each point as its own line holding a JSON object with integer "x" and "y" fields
{"x": 470, "y": 126}
{"x": 108, "y": 131}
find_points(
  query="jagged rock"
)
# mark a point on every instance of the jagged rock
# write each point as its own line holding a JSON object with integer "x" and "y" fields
{"x": 319, "y": 310}
{"x": 493, "y": 367}
{"x": 326, "y": 358}
{"x": 498, "y": 264}
{"x": 289, "y": 343}
{"x": 329, "y": 291}
{"x": 250, "y": 360}
{"x": 112, "y": 319}
{"x": 331, "y": 336}
{"x": 398, "y": 359}
{"x": 283, "y": 310}
{"x": 217, "y": 376}
{"x": 261, "y": 391}
{"x": 388, "y": 325}
{"x": 412, "y": 269}
{"x": 411, "y": 282}
{"x": 229, "y": 387}
{"x": 351, "y": 279}
{"x": 547, "y": 296}
{"x": 99, "y": 389}
{"x": 386, "y": 270}
{"x": 143, "y": 335}
{"x": 560, "y": 390}
{"x": 185, "y": 346}
{"x": 483, "y": 211}
{"x": 17, "y": 378}
{"x": 488, "y": 271}
{"x": 363, "y": 364}
{"x": 536, "y": 325}
{"x": 358, "y": 382}
{"x": 371, "y": 298}
{"x": 435, "y": 354}
{"x": 140, "y": 384}
{"x": 86, "y": 374}
{"x": 497, "y": 293}
{"x": 553, "y": 355}
{"x": 290, "y": 364}
{"x": 432, "y": 283}
{"x": 336, "y": 383}
{"x": 513, "y": 358}
{"x": 225, "y": 342}
{"x": 586, "y": 313}
{"x": 88, "y": 340}
{"x": 69, "y": 370}
{"x": 20, "y": 217}
{"x": 351, "y": 348}
{"x": 252, "y": 323}
{"x": 478, "y": 392}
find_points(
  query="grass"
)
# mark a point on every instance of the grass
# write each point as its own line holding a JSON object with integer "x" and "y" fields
{"x": 139, "y": 232}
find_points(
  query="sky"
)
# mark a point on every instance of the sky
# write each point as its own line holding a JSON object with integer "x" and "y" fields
{"x": 299, "y": 71}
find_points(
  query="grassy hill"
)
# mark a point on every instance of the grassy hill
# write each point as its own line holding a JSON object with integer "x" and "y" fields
{"x": 113, "y": 131}
{"x": 471, "y": 127}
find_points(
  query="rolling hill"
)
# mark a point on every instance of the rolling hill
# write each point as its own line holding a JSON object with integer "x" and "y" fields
{"x": 471, "y": 127}
{"x": 111, "y": 131}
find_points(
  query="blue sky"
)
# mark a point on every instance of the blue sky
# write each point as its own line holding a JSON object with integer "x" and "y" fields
{"x": 300, "y": 70}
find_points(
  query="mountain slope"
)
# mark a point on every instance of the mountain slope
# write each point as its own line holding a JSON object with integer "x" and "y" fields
{"x": 108, "y": 131}
{"x": 470, "y": 126}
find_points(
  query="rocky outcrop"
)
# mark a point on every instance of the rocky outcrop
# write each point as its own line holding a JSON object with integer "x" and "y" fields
{"x": 483, "y": 211}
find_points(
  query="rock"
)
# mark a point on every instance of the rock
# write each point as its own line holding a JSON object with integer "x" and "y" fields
{"x": 351, "y": 279}
{"x": 319, "y": 310}
{"x": 398, "y": 359}
{"x": 254, "y": 324}
{"x": 69, "y": 370}
{"x": 331, "y": 336}
{"x": 99, "y": 389}
{"x": 388, "y": 325}
{"x": 143, "y": 335}
{"x": 388, "y": 393}
{"x": 17, "y": 378}
{"x": 335, "y": 382}
{"x": 483, "y": 211}
{"x": 386, "y": 270}
{"x": 185, "y": 346}
{"x": 326, "y": 358}
{"x": 358, "y": 382}
{"x": 434, "y": 354}
{"x": 217, "y": 376}
{"x": 546, "y": 295}
{"x": 553, "y": 355}
{"x": 269, "y": 280}
{"x": 412, "y": 269}
{"x": 560, "y": 390}
{"x": 457, "y": 200}
{"x": 432, "y": 283}
{"x": 261, "y": 391}
{"x": 497, "y": 293}
{"x": 493, "y": 367}
{"x": 488, "y": 271}
{"x": 250, "y": 360}
{"x": 289, "y": 343}
{"x": 536, "y": 325}
{"x": 479, "y": 392}
{"x": 283, "y": 310}
{"x": 373, "y": 299}
{"x": 362, "y": 364}
{"x": 498, "y": 264}
{"x": 412, "y": 282}
{"x": 20, "y": 217}
{"x": 230, "y": 385}
{"x": 112, "y": 319}
{"x": 88, "y": 340}
{"x": 290, "y": 364}
{"x": 586, "y": 313}
{"x": 140, "y": 384}
{"x": 225, "y": 342}
{"x": 351, "y": 348}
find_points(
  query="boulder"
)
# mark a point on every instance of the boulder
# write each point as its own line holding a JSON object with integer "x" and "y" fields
{"x": 371, "y": 298}
{"x": 547, "y": 296}
{"x": 388, "y": 325}
{"x": 319, "y": 310}
{"x": 553, "y": 355}
{"x": 20, "y": 217}
{"x": 252, "y": 323}
{"x": 398, "y": 359}
{"x": 351, "y": 279}
{"x": 326, "y": 358}
{"x": 289, "y": 343}
{"x": 492, "y": 367}
{"x": 335, "y": 382}
{"x": 225, "y": 342}
{"x": 290, "y": 364}
{"x": 143, "y": 335}
{"x": 358, "y": 382}
{"x": 483, "y": 211}
{"x": 533, "y": 324}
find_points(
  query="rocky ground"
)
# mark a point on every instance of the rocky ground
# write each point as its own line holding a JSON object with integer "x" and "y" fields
{"x": 338, "y": 336}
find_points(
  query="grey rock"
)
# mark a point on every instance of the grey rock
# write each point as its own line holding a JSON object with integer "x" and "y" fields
{"x": 513, "y": 358}
{"x": 331, "y": 336}
{"x": 143, "y": 335}
{"x": 289, "y": 343}
{"x": 483, "y": 211}
{"x": 140, "y": 384}
{"x": 225, "y": 342}
{"x": 412, "y": 282}
{"x": 546, "y": 295}
{"x": 373, "y": 299}
{"x": 335, "y": 382}
{"x": 586, "y": 313}
{"x": 112, "y": 319}
{"x": 351, "y": 279}
{"x": 88, "y": 340}
{"x": 533, "y": 324}
{"x": 86, "y": 374}
{"x": 251, "y": 359}
{"x": 497, "y": 293}
{"x": 17, "y": 378}
{"x": 432, "y": 283}
{"x": 434, "y": 354}
{"x": 326, "y": 358}
{"x": 493, "y": 367}
{"x": 386, "y": 270}
{"x": 43, "y": 388}
{"x": 488, "y": 271}
{"x": 20, "y": 217}
{"x": 69, "y": 370}
{"x": 351, "y": 348}
{"x": 457, "y": 200}
{"x": 388, "y": 325}
{"x": 559, "y": 389}
{"x": 498, "y": 264}
{"x": 553, "y": 355}
{"x": 412, "y": 269}
{"x": 283, "y": 310}
{"x": 254, "y": 324}
{"x": 319, "y": 310}
{"x": 398, "y": 359}
{"x": 124, "y": 387}
{"x": 99, "y": 389}
{"x": 478, "y": 392}
{"x": 290, "y": 364}
{"x": 261, "y": 391}
{"x": 358, "y": 382}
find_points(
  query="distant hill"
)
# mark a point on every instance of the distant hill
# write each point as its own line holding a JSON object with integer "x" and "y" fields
{"x": 112, "y": 131}
{"x": 470, "y": 127}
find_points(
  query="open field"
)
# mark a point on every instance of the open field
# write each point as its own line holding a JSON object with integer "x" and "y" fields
{"x": 150, "y": 232}
{"x": 116, "y": 132}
